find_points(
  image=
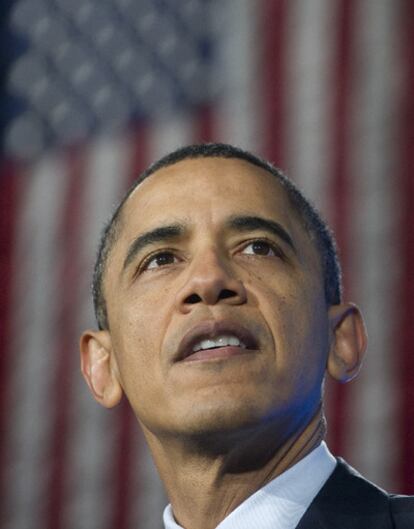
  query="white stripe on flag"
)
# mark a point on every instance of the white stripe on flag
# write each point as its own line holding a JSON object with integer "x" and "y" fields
{"x": 238, "y": 108}
{"x": 169, "y": 133}
{"x": 309, "y": 96}
{"x": 33, "y": 352}
{"x": 375, "y": 219}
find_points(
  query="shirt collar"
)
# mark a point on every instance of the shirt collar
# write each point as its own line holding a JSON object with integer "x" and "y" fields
{"x": 282, "y": 502}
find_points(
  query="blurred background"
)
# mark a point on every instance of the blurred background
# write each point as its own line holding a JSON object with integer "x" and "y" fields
{"x": 94, "y": 90}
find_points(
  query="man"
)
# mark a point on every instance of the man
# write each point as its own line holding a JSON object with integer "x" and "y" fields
{"x": 218, "y": 298}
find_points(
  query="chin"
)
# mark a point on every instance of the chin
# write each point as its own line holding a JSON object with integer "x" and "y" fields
{"x": 214, "y": 424}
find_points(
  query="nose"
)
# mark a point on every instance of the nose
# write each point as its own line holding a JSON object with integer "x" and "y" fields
{"x": 210, "y": 281}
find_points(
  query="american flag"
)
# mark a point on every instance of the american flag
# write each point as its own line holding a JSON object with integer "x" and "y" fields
{"x": 323, "y": 88}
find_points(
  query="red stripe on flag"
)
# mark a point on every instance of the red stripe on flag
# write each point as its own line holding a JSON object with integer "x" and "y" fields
{"x": 121, "y": 489}
{"x": 340, "y": 194}
{"x": 203, "y": 125}
{"x": 8, "y": 213}
{"x": 405, "y": 332}
{"x": 274, "y": 80}
{"x": 125, "y": 455}
{"x": 70, "y": 233}
{"x": 139, "y": 151}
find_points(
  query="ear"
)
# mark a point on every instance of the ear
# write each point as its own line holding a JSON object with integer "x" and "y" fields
{"x": 348, "y": 341}
{"x": 99, "y": 368}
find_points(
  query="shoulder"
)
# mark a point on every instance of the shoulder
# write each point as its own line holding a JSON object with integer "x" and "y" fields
{"x": 349, "y": 501}
{"x": 402, "y": 508}
{"x": 348, "y": 490}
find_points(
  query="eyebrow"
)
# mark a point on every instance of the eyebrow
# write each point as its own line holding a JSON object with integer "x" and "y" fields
{"x": 243, "y": 223}
{"x": 161, "y": 234}
{"x": 248, "y": 223}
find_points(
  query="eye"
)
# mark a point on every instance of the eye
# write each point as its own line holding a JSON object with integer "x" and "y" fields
{"x": 160, "y": 259}
{"x": 261, "y": 247}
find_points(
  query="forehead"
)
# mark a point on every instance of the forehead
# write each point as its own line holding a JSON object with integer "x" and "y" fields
{"x": 203, "y": 194}
{"x": 205, "y": 187}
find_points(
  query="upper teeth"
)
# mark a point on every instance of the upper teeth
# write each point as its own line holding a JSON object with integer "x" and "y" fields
{"x": 220, "y": 341}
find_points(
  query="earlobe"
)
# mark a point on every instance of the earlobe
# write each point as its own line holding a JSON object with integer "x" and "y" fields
{"x": 98, "y": 366}
{"x": 348, "y": 341}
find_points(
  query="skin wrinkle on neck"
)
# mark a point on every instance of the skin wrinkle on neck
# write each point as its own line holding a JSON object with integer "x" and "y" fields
{"x": 205, "y": 512}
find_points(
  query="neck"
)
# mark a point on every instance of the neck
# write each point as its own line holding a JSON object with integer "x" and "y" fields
{"x": 204, "y": 486}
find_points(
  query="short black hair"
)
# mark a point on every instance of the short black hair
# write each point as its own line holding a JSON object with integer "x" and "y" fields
{"x": 311, "y": 219}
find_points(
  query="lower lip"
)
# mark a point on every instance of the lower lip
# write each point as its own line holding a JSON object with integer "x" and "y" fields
{"x": 216, "y": 354}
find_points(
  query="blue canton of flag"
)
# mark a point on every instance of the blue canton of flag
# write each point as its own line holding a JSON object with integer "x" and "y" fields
{"x": 93, "y": 66}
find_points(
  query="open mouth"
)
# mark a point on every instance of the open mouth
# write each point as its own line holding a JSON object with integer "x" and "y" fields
{"x": 211, "y": 339}
{"x": 222, "y": 346}
{"x": 220, "y": 341}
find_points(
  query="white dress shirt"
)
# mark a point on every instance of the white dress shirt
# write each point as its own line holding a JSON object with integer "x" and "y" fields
{"x": 282, "y": 502}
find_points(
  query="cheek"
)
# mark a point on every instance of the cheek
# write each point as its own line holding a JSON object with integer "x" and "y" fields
{"x": 139, "y": 325}
{"x": 143, "y": 309}
{"x": 299, "y": 325}
{"x": 132, "y": 342}
{"x": 133, "y": 357}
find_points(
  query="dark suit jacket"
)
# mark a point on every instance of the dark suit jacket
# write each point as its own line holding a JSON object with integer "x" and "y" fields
{"x": 348, "y": 501}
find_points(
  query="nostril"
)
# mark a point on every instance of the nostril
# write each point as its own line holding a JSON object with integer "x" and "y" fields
{"x": 225, "y": 293}
{"x": 193, "y": 298}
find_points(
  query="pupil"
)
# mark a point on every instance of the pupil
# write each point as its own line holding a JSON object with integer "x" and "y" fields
{"x": 261, "y": 248}
{"x": 164, "y": 258}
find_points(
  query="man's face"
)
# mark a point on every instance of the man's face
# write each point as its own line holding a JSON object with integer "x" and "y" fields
{"x": 233, "y": 272}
